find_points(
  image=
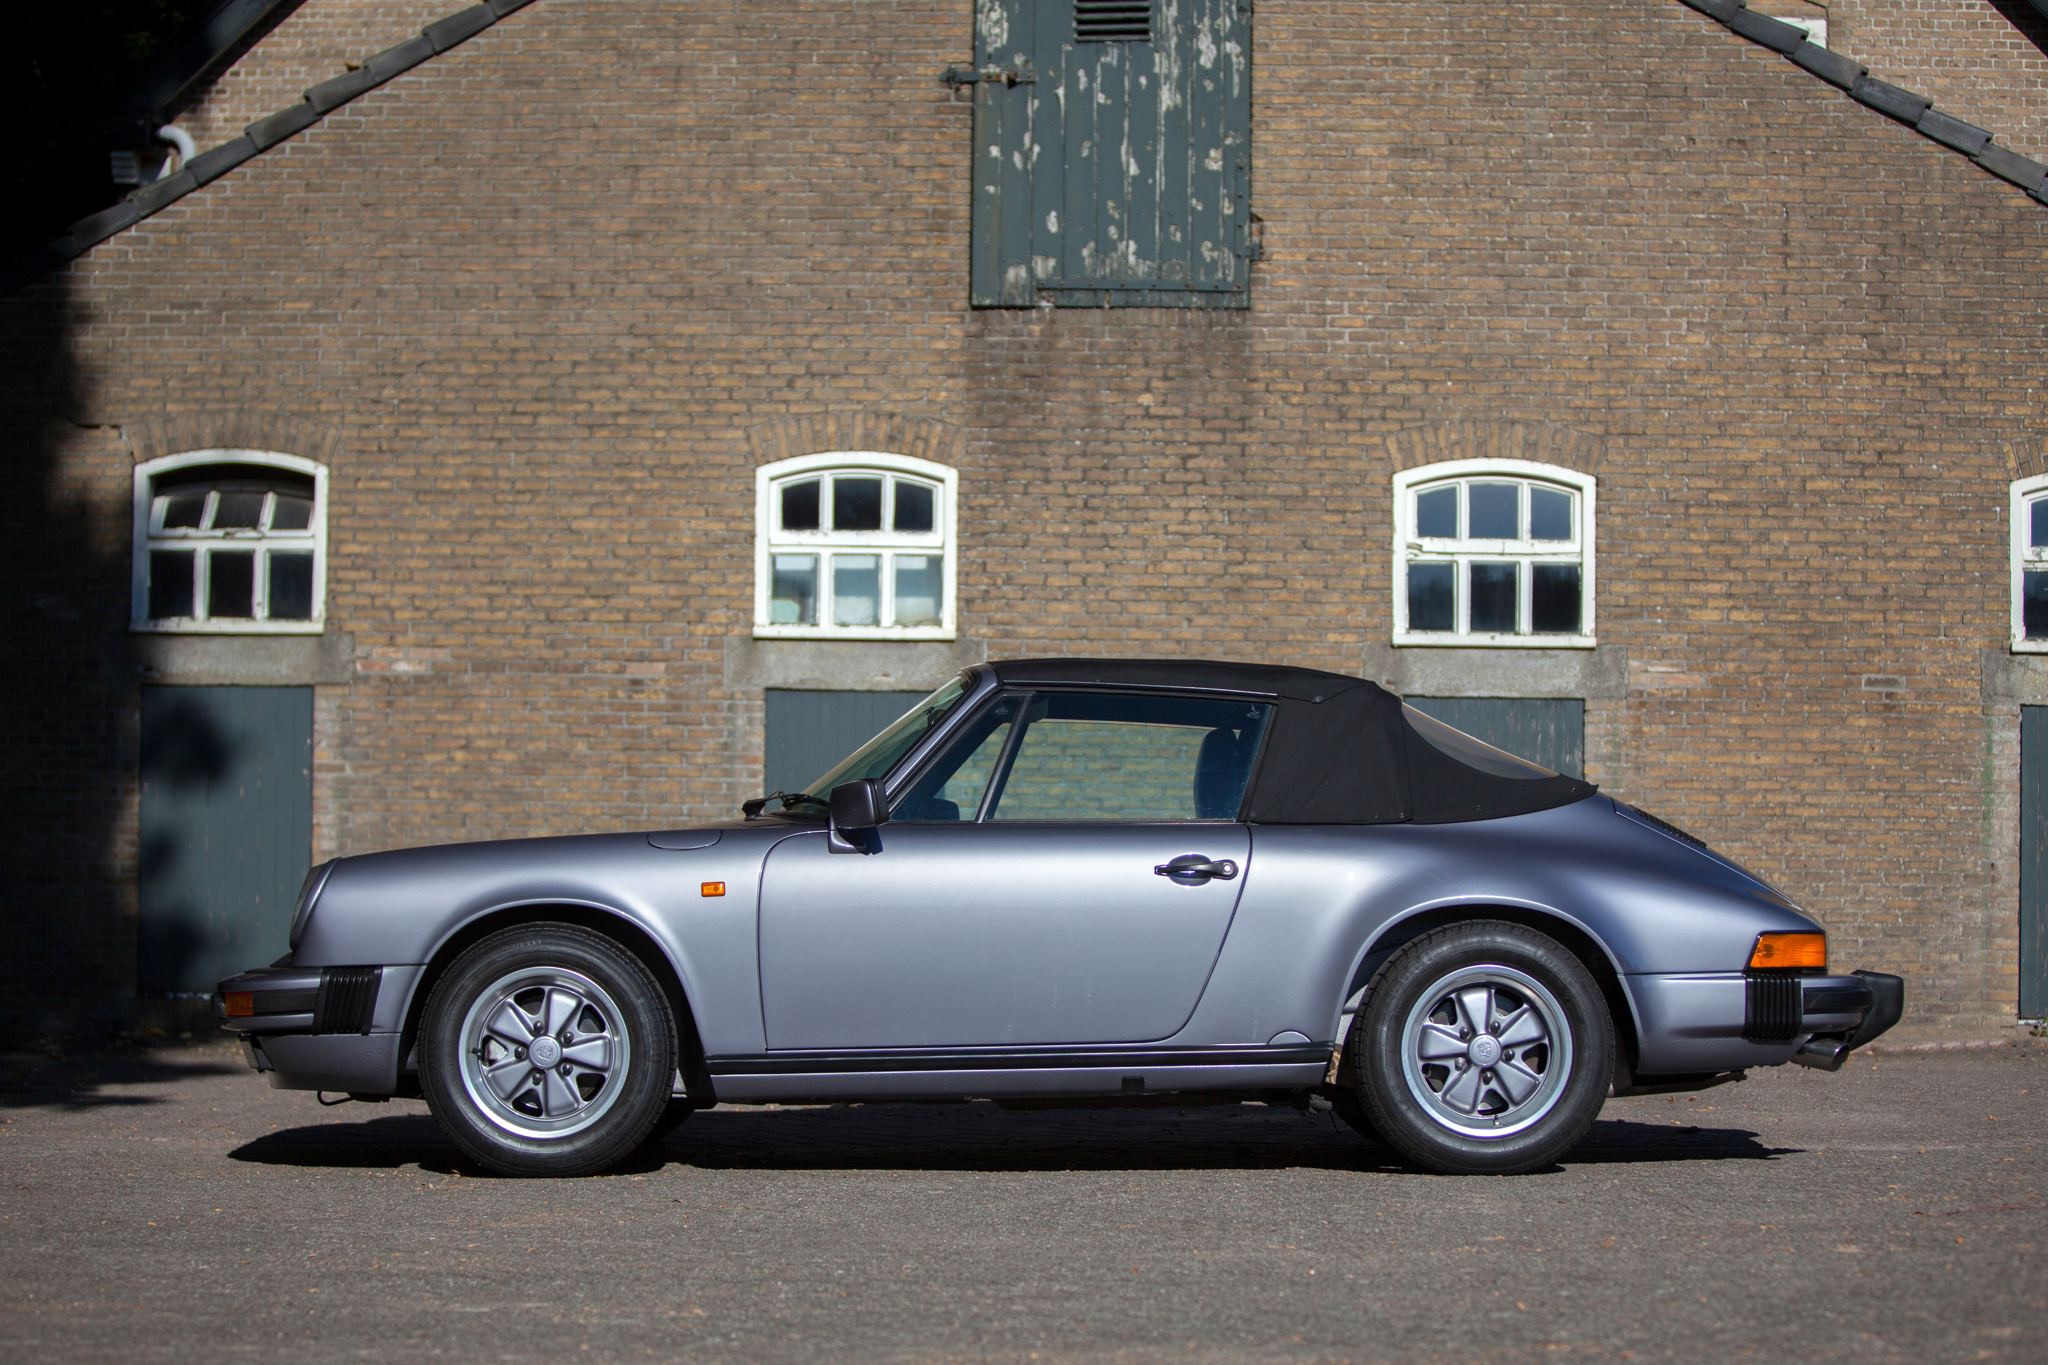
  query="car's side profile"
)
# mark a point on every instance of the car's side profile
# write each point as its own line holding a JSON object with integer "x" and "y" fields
{"x": 1065, "y": 879}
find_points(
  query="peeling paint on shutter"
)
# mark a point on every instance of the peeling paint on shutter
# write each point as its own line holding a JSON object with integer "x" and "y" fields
{"x": 1110, "y": 172}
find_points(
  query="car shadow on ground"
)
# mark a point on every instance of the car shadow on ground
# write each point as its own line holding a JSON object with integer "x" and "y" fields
{"x": 83, "y": 1083}
{"x": 981, "y": 1137}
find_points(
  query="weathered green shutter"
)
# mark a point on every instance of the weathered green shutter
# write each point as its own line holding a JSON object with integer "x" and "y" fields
{"x": 1112, "y": 173}
{"x": 1552, "y": 733}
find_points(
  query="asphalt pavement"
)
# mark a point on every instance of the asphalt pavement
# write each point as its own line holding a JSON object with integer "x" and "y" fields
{"x": 165, "y": 1205}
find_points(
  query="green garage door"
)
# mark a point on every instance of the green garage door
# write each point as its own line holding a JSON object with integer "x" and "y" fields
{"x": 2033, "y": 861}
{"x": 226, "y": 830}
{"x": 809, "y": 732}
{"x": 1551, "y": 732}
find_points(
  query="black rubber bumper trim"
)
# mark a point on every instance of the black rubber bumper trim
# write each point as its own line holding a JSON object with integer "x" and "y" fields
{"x": 815, "y": 1063}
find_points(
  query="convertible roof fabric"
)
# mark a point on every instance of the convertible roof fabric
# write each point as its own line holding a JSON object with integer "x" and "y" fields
{"x": 1341, "y": 751}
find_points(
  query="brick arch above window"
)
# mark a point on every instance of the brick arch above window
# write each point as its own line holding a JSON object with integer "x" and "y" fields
{"x": 1544, "y": 443}
{"x": 233, "y": 429}
{"x": 922, "y": 438}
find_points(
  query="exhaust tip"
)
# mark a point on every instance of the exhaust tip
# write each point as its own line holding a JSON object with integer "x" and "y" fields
{"x": 1824, "y": 1054}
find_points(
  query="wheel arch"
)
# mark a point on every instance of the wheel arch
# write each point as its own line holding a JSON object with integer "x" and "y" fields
{"x": 620, "y": 929}
{"x": 1576, "y": 938}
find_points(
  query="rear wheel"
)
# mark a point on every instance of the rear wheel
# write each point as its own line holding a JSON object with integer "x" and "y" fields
{"x": 547, "y": 1050}
{"x": 1483, "y": 1048}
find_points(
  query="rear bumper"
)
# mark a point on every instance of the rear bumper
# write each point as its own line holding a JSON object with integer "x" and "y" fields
{"x": 1694, "y": 1023}
{"x": 320, "y": 1028}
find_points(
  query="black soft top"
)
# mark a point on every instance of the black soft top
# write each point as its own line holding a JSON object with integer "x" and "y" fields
{"x": 1341, "y": 750}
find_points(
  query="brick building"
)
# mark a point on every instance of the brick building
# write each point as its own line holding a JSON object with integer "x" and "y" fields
{"x": 573, "y": 418}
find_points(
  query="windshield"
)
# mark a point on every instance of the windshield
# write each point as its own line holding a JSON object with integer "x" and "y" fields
{"x": 1473, "y": 753}
{"x": 876, "y": 757}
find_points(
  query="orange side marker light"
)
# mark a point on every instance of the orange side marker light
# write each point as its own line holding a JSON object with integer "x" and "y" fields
{"x": 714, "y": 888}
{"x": 241, "y": 1004}
{"x": 1790, "y": 950}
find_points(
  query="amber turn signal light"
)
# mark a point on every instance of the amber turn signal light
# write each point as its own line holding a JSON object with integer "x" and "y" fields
{"x": 241, "y": 1004}
{"x": 1790, "y": 950}
{"x": 714, "y": 888}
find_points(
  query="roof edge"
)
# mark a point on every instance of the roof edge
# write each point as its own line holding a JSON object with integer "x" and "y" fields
{"x": 1853, "y": 79}
{"x": 259, "y": 137}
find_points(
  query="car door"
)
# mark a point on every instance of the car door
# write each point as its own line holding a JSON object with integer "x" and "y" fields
{"x": 1017, "y": 897}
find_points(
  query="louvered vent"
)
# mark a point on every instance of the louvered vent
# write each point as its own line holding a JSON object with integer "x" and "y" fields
{"x": 1112, "y": 21}
{"x": 347, "y": 1001}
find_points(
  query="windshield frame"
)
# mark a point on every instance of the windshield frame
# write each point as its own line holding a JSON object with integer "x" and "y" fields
{"x": 972, "y": 683}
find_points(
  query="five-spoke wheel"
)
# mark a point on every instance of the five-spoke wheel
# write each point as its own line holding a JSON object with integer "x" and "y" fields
{"x": 1482, "y": 1047}
{"x": 547, "y": 1050}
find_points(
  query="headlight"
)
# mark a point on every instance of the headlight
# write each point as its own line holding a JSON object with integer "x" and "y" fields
{"x": 309, "y": 892}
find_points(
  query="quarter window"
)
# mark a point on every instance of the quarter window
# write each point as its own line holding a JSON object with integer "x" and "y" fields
{"x": 1493, "y": 553}
{"x": 230, "y": 541}
{"x": 856, "y": 545}
{"x": 2030, "y": 565}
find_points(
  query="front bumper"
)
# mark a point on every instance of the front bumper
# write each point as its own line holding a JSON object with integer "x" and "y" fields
{"x": 320, "y": 1028}
{"x": 1702, "y": 1023}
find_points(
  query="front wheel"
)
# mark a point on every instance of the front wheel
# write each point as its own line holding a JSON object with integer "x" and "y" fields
{"x": 547, "y": 1050}
{"x": 1483, "y": 1048}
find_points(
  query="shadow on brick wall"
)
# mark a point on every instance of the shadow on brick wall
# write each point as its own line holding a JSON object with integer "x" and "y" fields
{"x": 2022, "y": 15}
{"x": 67, "y": 938}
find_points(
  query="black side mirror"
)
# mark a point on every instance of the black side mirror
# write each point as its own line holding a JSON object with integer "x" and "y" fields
{"x": 858, "y": 806}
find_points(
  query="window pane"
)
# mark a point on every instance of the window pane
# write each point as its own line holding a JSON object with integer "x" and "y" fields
{"x": 2034, "y": 605}
{"x": 1494, "y": 511}
{"x": 1554, "y": 599}
{"x": 1436, "y": 513}
{"x": 238, "y": 511}
{"x": 1493, "y": 597}
{"x": 918, "y": 589}
{"x": 170, "y": 584}
{"x": 793, "y": 590}
{"x": 231, "y": 583}
{"x": 876, "y": 757}
{"x": 800, "y": 506}
{"x": 913, "y": 506}
{"x": 183, "y": 511}
{"x": 856, "y": 590}
{"x": 1550, "y": 514}
{"x": 1430, "y": 602}
{"x": 291, "y": 585}
{"x": 2037, "y": 515}
{"x": 856, "y": 504}
{"x": 1089, "y": 757}
{"x": 291, "y": 514}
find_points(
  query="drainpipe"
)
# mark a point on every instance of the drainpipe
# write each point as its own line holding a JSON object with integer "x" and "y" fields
{"x": 181, "y": 140}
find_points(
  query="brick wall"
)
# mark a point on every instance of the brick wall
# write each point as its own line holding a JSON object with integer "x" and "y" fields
{"x": 549, "y": 288}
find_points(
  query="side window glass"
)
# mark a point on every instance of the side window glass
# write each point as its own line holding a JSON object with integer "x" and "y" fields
{"x": 952, "y": 788}
{"x": 1090, "y": 757}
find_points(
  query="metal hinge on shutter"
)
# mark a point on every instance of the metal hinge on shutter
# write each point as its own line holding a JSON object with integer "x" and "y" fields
{"x": 955, "y": 77}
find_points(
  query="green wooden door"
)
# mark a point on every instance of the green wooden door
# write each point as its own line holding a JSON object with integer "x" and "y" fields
{"x": 809, "y": 732}
{"x": 1547, "y": 731}
{"x": 2033, "y": 861}
{"x": 226, "y": 830}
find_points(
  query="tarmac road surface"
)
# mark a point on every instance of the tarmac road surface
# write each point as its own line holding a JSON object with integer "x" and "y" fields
{"x": 166, "y": 1205}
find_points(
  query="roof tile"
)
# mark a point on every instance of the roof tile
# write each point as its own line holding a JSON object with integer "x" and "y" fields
{"x": 1903, "y": 105}
{"x": 215, "y": 162}
{"x": 1760, "y": 28}
{"x": 401, "y": 57}
{"x": 1966, "y": 138}
{"x": 268, "y": 132}
{"x": 459, "y": 27}
{"x": 96, "y": 228}
{"x": 2023, "y": 171}
{"x": 1831, "y": 67}
{"x": 331, "y": 95}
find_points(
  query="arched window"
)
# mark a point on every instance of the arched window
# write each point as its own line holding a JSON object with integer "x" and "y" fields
{"x": 1493, "y": 552}
{"x": 230, "y": 541}
{"x": 2030, "y": 565}
{"x": 854, "y": 545}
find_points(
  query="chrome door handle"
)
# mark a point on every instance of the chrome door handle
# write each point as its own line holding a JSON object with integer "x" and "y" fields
{"x": 1191, "y": 868}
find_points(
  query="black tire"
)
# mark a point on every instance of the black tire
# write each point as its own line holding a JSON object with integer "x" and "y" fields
{"x": 671, "y": 1119}
{"x": 1512, "y": 1094}
{"x": 590, "y": 1080}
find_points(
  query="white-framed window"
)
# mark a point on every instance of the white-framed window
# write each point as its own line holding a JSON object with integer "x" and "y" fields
{"x": 854, "y": 545}
{"x": 2030, "y": 565}
{"x": 1493, "y": 552}
{"x": 230, "y": 541}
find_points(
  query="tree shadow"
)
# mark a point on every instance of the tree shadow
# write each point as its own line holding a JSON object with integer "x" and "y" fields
{"x": 77, "y": 1085}
{"x": 981, "y": 1137}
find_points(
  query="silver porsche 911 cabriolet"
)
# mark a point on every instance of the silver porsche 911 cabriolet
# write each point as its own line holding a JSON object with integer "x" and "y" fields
{"x": 1070, "y": 879}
